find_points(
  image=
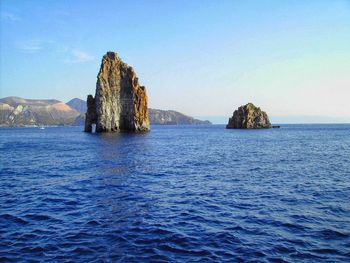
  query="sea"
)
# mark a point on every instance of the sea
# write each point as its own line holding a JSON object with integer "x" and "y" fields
{"x": 176, "y": 194}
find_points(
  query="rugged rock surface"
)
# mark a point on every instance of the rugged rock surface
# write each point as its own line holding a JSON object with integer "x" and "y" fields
{"x": 120, "y": 103}
{"x": 249, "y": 117}
{"x": 15, "y": 111}
{"x": 168, "y": 117}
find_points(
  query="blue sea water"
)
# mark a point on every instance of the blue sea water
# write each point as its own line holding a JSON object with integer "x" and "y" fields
{"x": 176, "y": 194}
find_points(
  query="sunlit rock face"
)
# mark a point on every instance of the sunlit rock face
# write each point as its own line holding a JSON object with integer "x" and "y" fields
{"x": 120, "y": 103}
{"x": 249, "y": 117}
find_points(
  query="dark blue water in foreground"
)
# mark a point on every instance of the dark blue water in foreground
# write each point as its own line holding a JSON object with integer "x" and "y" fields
{"x": 176, "y": 194}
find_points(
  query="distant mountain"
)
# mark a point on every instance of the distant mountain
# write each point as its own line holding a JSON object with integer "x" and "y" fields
{"x": 171, "y": 117}
{"x": 15, "y": 111}
{"x": 77, "y": 104}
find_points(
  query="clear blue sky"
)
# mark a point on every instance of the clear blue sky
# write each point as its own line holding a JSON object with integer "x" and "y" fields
{"x": 203, "y": 58}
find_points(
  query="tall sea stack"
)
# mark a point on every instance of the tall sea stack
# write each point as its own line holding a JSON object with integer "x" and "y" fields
{"x": 120, "y": 103}
{"x": 249, "y": 117}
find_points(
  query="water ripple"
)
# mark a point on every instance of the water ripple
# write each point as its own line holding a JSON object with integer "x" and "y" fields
{"x": 177, "y": 194}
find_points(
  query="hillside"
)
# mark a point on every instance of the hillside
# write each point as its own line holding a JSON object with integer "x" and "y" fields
{"x": 77, "y": 104}
{"x": 169, "y": 117}
{"x": 15, "y": 111}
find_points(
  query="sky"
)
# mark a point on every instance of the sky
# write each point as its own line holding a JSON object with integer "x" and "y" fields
{"x": 203, "y": 58}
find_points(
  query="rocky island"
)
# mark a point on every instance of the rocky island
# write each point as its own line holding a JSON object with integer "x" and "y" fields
{"x": 120, "y": 102}
{"x": 249, "y": 117}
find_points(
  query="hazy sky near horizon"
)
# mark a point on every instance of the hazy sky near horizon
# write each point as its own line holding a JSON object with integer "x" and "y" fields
{"x": 203, "y": 58}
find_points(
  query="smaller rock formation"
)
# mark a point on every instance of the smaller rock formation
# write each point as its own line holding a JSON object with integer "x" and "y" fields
{"x": 249, "y": 117}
